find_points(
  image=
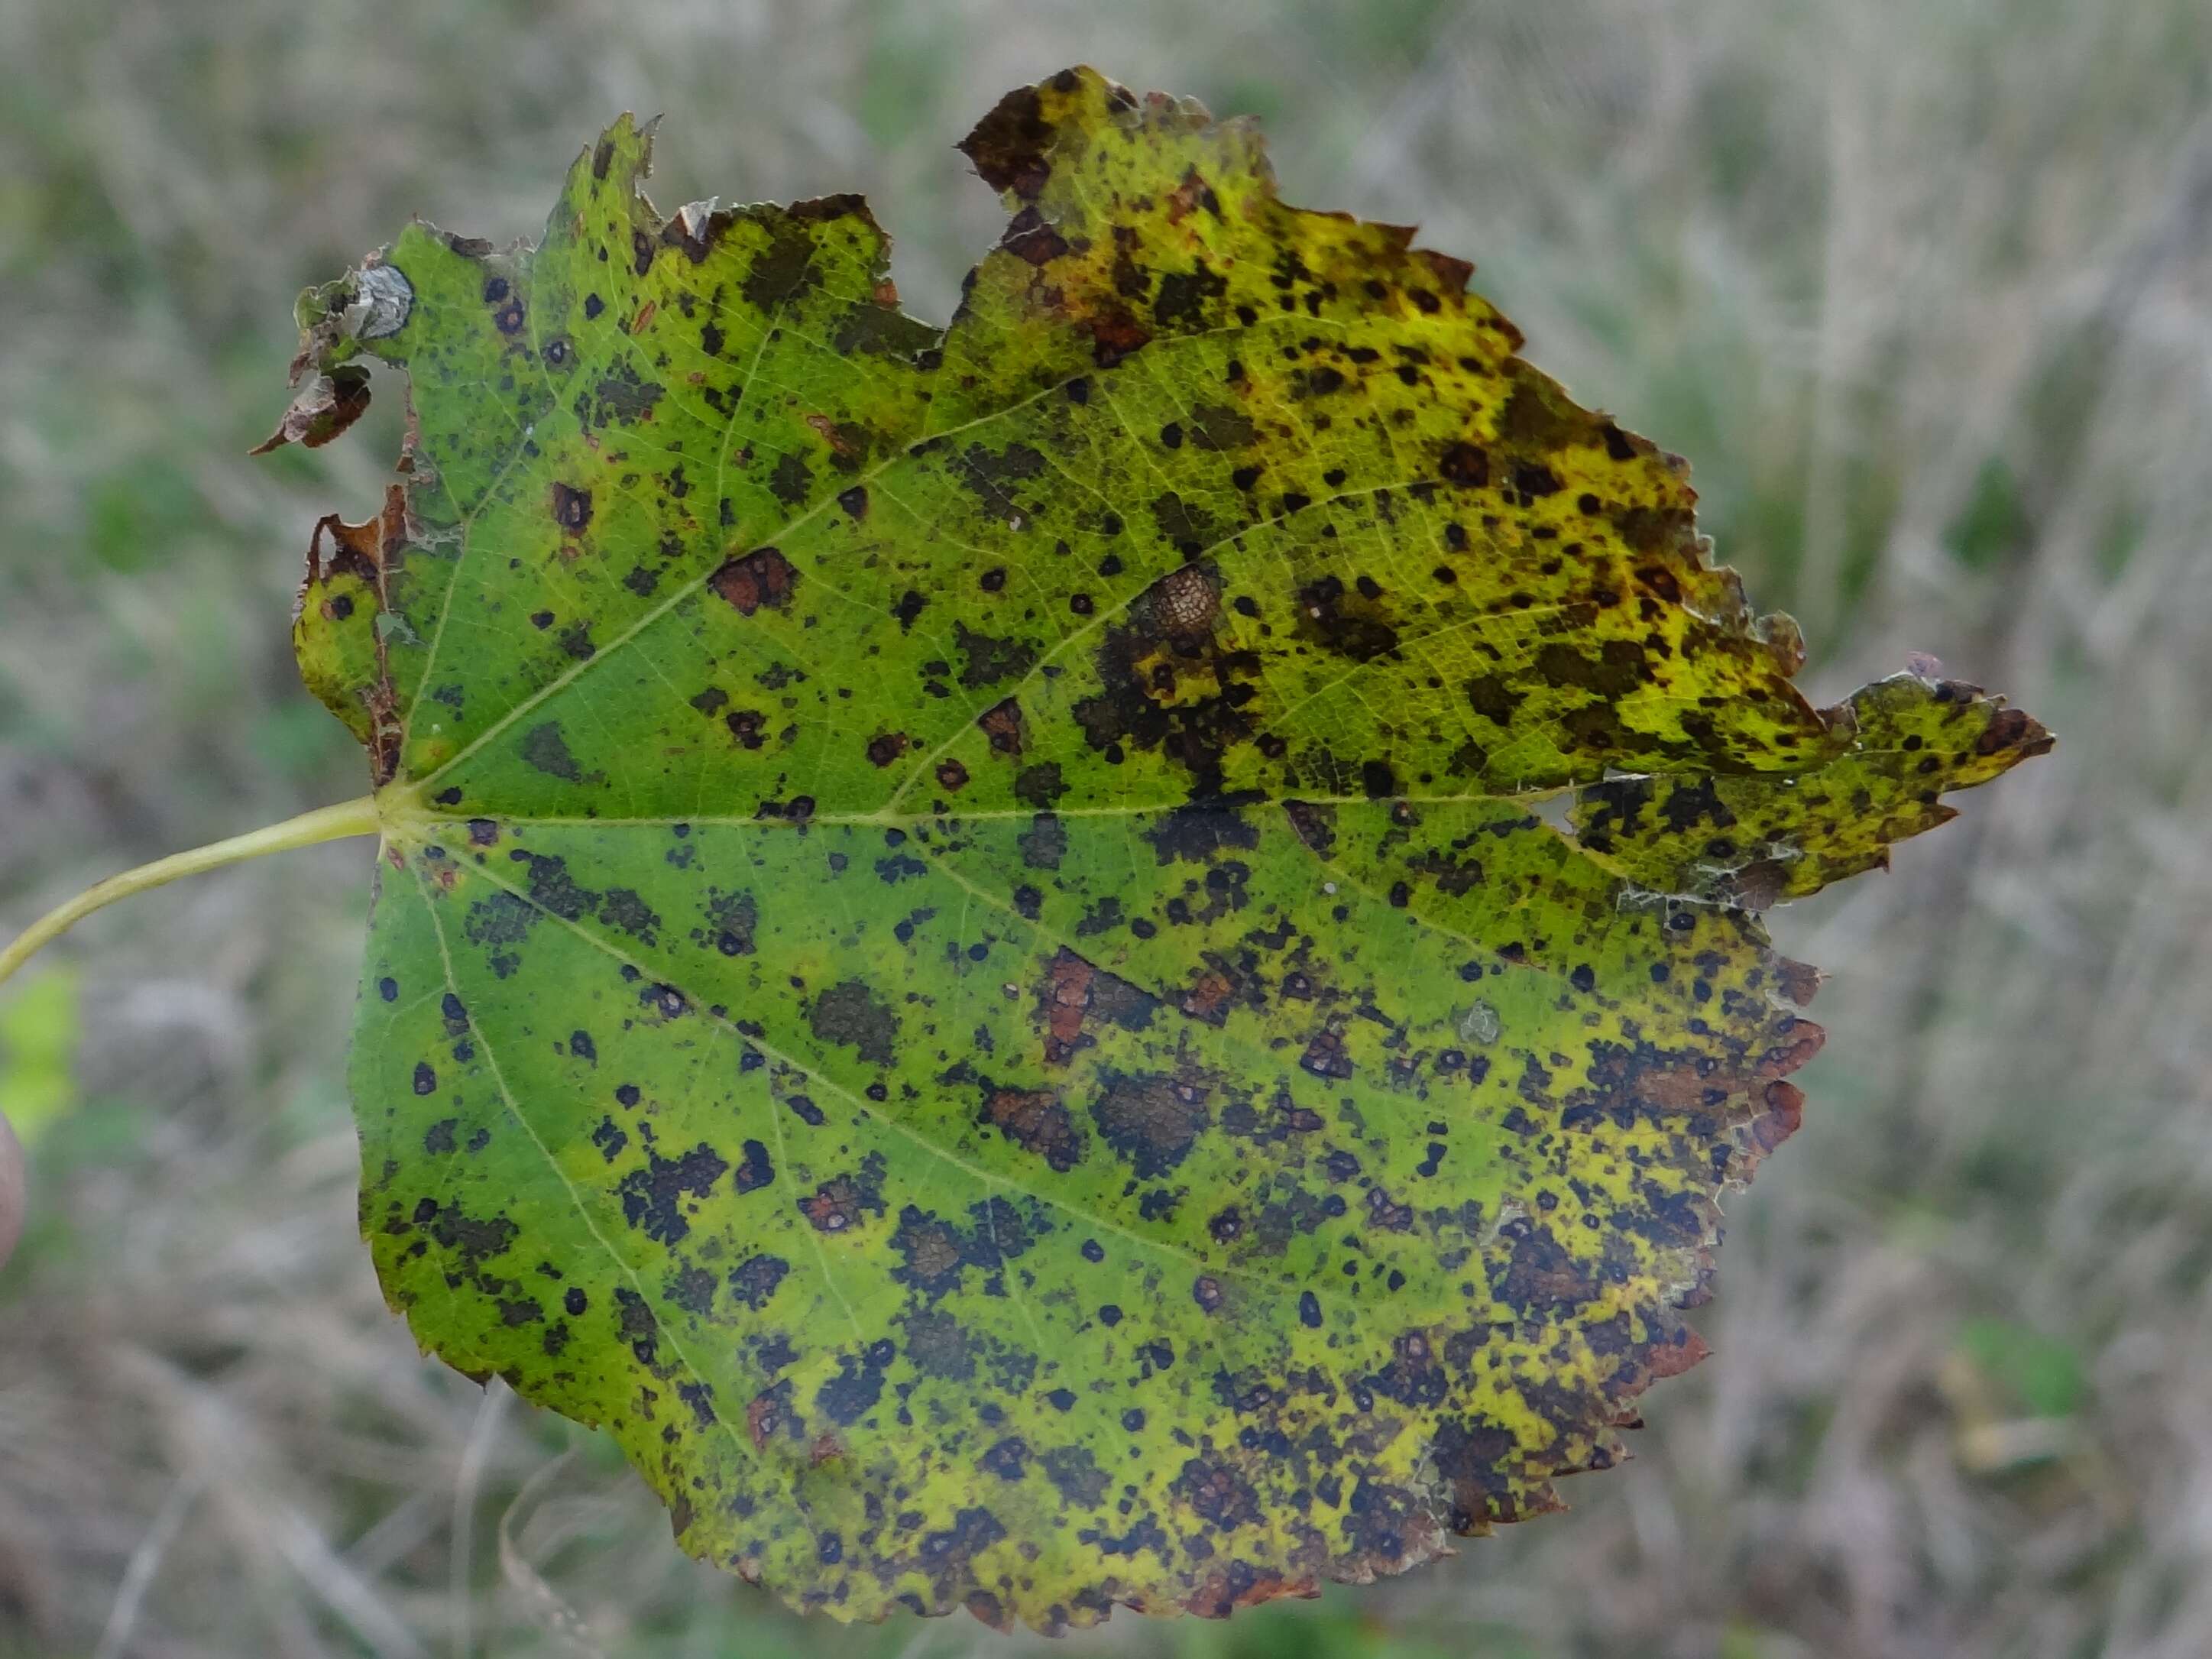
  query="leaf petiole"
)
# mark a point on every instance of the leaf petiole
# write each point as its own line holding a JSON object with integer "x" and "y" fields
{"x": 353, "y": 817}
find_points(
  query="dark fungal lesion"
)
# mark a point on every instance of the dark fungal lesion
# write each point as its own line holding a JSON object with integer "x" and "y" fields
{"x": 572, "y": 506}
{"x": 1151, "y": 1120}
{"x": 545, "y": 747}
{"x": 851, "y": 1012}
{"x": 1037, "y": 1120}
{"x": 749, "y": 580}
{"x": 1076, "y": 991}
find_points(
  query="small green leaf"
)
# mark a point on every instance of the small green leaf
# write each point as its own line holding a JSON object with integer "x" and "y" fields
{"x": 39, "y": 1028}
{"x": 969, "y": 954}
{"x": 2041, "y": 1373}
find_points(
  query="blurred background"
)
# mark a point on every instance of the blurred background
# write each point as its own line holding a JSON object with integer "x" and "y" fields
{"x": 1922, "y": 287}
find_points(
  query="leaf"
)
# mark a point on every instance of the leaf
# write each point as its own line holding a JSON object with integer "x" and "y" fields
{"x": 1757, "y": 839}
{"x": 39, "y": 1029}
{"x": 969, "y": 955}
{"x": 2041, "y": 1373}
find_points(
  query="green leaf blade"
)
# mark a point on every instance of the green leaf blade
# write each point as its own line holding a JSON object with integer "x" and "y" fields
{"x": 1058, "y": 1209}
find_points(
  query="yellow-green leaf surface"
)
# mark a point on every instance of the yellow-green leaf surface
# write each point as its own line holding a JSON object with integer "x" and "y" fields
{"x": 970, "y": 954}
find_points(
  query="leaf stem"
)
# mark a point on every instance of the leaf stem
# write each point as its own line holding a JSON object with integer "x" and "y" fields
{"x": 353, "y": 817}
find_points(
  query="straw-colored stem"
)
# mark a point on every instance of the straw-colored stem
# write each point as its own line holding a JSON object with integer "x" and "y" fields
{"x": 353, "y": 817}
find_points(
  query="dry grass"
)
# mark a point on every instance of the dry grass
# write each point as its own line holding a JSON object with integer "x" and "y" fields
{"x": 1925, "y": 291}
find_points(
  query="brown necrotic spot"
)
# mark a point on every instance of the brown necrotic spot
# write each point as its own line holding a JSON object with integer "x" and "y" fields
{"x": 1481, "y": 1461}
{"x": 1031, "y": 238}
{"x": 1008, "y": 145}
{"x": 1541, "y": 1278}
{"x": 2009, "y": 728}
{"x": 1114, "y": 334}
{"x": 1621, "y": 446}
{"x": 1315, "y": 824}
{"x": 1220, "y": 1496}
{"x": 1325, "y": 1055}
{"x": 1533, "y": 478}
{"x": 770, "y": 1414}
{"x": 696, "y": 229}
{"x": 932, "y": 1250}
{"x": 572, "y": 507}
{"x": 1002, "y": 723}
{"x": 1151, "y": 1119}
{"x": 762, "y": 577}
{"x": 755, "y": 1168}
{"x": 1006, "y": 1459}
{"x": 1211, "y": 995}
{"x": 1075, "y": 989}
{"x": 840, "y": 1205}
{"x": 1464, "y": 464}
{"x": 1036, "y": 1121}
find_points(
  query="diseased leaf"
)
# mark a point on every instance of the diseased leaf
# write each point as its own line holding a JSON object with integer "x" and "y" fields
{"x": 1752, "y": 840}
{"x": 967, "y": 954}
